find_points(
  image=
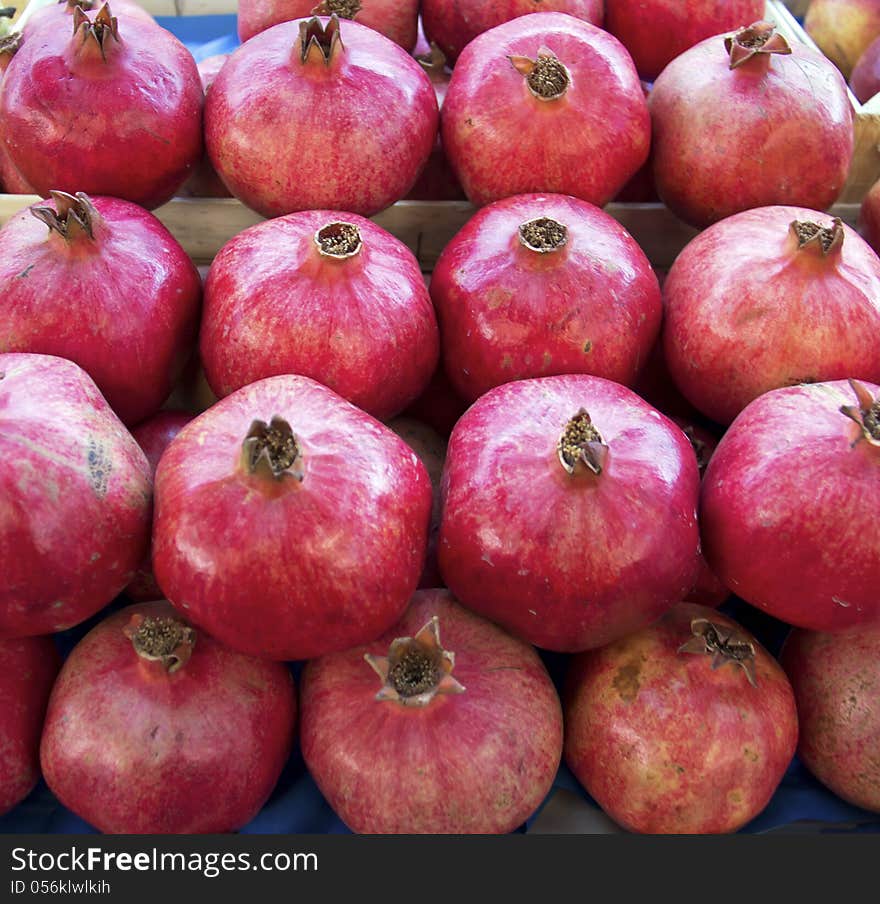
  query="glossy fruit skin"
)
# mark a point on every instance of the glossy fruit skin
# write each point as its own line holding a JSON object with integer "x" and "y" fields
{"x": 132, "y": 283}
{"x": 268, "y": 138}
{"x": 216, "y": 526}
{"x": 453, "y": 24}
{"x": 502, "y": 141}
{"x": 865, "y": 78}
{"x": 869, "y": 217}
{"x": 476, "y": 762}
{"x": 75, "y": 483}
{"x": 664, "y": 743}
{"x": 11, "y": 180}
{"x": 28, "y": 666}
{"x": 507, "y": 312}
{"x": 204, "y": 182}
{"x": 134, "y": 749}
{"x": 363, "y": 326}
{"x": 724, "y": 140}
{"x": 742, "y": 292}
{"x": 836, "y": 681}
{"x": 71, "y": 116}
{"x": 807, "y": 557}
{"x": 655, "y": 32}
{"x": 568, "y": 562}
{"x": 843, "y": 29}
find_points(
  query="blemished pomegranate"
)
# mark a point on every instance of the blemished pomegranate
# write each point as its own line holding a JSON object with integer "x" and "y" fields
{"x": 28, "y": 666}
{"x": 325, "y": 294}
{"x": 836, "y": 681}
{"x": 865, "y": 78}
{"x": 729, "y": 116}
{"x": 107, "y": 107}
{"x": 569, "y": 511}
{"x": 112, "y": 265}
{"x": 353, "y": 119}
{"x": 686, "y": 726}
{"x": 545, "y": 103}
{"x": 204, "y": 182}
{"x": 154, "y": 727}
{"x": 793, "y": 293}
{"x": 843, "y": 29}
{"x": 439, "y": 406}
{"x": 289, "y": 523}
{"x": 869, "y": 217}
{"x": 75, "y": 482}
{"x": 445, "y": 724}
{"x": 537, "y": 285}
{"x": 788, "y": 503}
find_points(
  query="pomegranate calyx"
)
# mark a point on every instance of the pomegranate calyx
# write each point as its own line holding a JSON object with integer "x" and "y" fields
{"x": 723, "y": 644}
{"x": 754, "y": 40}
{"x": 546, "y": 77}
{"x": 9, "y": 44}
{"x": 416, "y": 669}
{"x": 271, "y": 450}
{"x": 167, "y": 640}
{"x": 543, "y": 235}
{"x": 824, "y": 240}
{"x": 338, "y": 240}
{"x": 319, "y": 43}
{"x": 866, "y": 414}
{"x": 74, "y": 215}
{"x": 103, "y": 27}
{"x": 345, "y": 9}
{"x": 581, "y": 442}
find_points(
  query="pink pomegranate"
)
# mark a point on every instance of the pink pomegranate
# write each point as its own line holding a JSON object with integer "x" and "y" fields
{"x": 75, "y": 518}
{"x": 869, "y": 217}
{"x": 865, "y": 78}
{"x": 11, "y": 180}
{"x": 545, "y": 103}
{"x": 686, "y": 726}
{"x": 445, "y": 724}
{"x": 112, "y": 265}
{"x": 204, "y": 182}
{"x": 843, "y": 29}
{"x": 154, "y": 727}
{"x": 569, "y": 511}
{"x": 788, "y": 502}
{"x": 327, "y": 295}
{"x": 731, "y": 115}
{"x": 439, "y": 406}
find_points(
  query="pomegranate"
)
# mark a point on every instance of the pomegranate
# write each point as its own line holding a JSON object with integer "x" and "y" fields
{"x": 439, "y": 406}
{"x": 732, "y": 113}
{"x": 865, "y": 78}
{"x": 325, "y": 504}
{"x": 112, "y": 265}
{"x": 569, "y": 511}
{"x": 154, "y": 727}
{"x": 686, "y": 726}
{"x": 869, "y": 217}
{"x": 536, "y": 285}
{"x": 28, "y": 666}
{"x": 340, "y": 119}
{"x": 75, "y": 483}
{"x": 11, "y": 180}
{"x": 327, "y": 295}
{"x": 412, "y": 734}
{"x": 109, "y": 109}
{"x": 836, "y": 681}
{"x": 843, "y": 29}
{"x": 545, "y": 103}
{"x": 204, "y": 182}
{"x": 793, "y": 293}
{"x": 788, "y": 503}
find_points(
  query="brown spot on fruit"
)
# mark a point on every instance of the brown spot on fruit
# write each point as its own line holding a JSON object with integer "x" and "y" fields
{"x": 626, "y": 681}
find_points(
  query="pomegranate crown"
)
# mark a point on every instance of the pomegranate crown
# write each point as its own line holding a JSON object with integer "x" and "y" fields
{"x": 319, "y": 42}
{"x": 345, "y": 9}
{"x": 724, "y": 644}
{"x": 754, "y": 40}
{"x": 73, "y": 216}
{"x": 866, "y": 414}
{"x": 101, "y": 30}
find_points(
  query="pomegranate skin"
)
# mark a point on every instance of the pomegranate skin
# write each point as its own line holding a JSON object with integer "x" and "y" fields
{"x": 865, "y": 79}
{"x": 362, "y": 325}
{"x": 480, "y": 761}
{"x": 724, "y": 140}
{"x": 74, "y": 482}
{"x": 502, "y": 140}
{"x": 28, "y": 666}
{"x": 836, "y": 681}
{"x": 338, "y": 554}
{"x": 807, "y": 557}
{"x": 70, "y": 115}
{"x": 667, "y": 744}
{"x": 130, "y": 281}
{"x": 351, "y": 134}
{"x": 128, "y": 747}
{"x": 843, "y": 29}
{"x": 565, "y": 561}
{"x": 745, "y": 291}
{"x": 509, "y": 312}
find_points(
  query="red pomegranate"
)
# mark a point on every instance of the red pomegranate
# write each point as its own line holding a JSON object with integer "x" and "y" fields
{"x": 154, "y": 727}
{"x": 327, "y": 295}
{"x": 788, "y": 503}
{"x": 340, "y": 119}
{"x": 686, "y": 726}
{"x": 439, "y": 406}
{"x": 569, "y": 511}
{"x": 537, "y": 285}
{"x": 11, "y": 180}
{"x": 75, "y": 518}
{"x": 445, "y": 724}
{"x": 113, "y": 266}
{"x": 28, "y": 666}
{"x": 545, "y": 103}
{"x": 836, "y": 681}
{"x": 793, "y": 293}
{"x": 865, "y": 79}
{"x": 109, "y": 109}
{"x": 731, "y": 115}
{"x": 843, "y": 29}
{"x": 325, "y": 504}
{"x": 869, "y": 217}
